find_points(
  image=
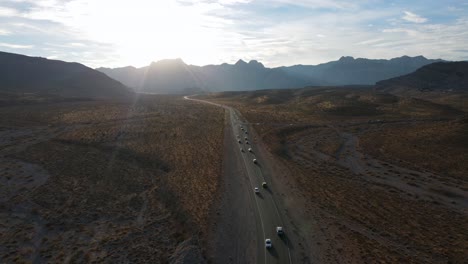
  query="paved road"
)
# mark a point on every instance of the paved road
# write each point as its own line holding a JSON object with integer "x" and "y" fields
{"x": 267, "y": 213}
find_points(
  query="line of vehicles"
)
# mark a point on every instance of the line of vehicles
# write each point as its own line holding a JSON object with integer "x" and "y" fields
{"x": 279, "y": 229}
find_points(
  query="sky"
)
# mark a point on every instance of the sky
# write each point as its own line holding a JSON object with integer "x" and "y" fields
{"x": 115, "y": 33}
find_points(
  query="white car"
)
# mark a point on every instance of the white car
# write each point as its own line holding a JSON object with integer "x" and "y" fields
{"x": 255, "y": 161}
{"x": 256, "y": 190}
{"x": 250, "y": 149}
{"x": 279, "y": 230}
{"x": 268, "y": 243}
{"x": 264, "y": 185}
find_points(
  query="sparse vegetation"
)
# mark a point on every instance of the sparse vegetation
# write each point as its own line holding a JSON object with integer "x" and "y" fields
{"x": 101, "y": 181}
{"x": 438, "y": 146}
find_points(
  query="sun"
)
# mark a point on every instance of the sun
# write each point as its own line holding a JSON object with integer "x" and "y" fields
{"x": 144, "y": 30}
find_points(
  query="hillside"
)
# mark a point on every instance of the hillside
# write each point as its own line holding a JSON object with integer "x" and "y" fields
{"x": 24, "y": 74}
{"x": 442, "y": 76}
{"x": 174, "y": 76}
{"x": 443, "y": 83}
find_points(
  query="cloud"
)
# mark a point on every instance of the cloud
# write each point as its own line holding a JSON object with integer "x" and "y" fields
{"x": 4, "y": 32}
{"x": 316, "y": 4}
{"x": 412, "y": 17}
{"x": 232, "y": 2}
{"x": 434, "y": 40}
{"x": 8, "y": 12}
{"x": 15, "y": 46}
{"x": 454, "y": 9}
{"x": 370, "y": 41}
{"x": 77, "y": 44}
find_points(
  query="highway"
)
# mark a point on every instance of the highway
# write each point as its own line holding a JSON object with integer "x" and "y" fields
{"x": 267, "y": 212}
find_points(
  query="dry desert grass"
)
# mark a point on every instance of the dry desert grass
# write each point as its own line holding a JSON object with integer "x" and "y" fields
{"x": 97, "y": 181}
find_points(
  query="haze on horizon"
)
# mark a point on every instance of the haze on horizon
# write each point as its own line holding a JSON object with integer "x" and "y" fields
{"x": 276, "y": 32}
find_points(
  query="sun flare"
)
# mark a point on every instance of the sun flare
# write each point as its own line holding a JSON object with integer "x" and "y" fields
{"x": 144, "y": 30}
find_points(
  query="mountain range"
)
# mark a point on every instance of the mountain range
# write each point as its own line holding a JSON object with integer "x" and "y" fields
{"x": 174, "y": 76}
{"x": 24, "y": 74}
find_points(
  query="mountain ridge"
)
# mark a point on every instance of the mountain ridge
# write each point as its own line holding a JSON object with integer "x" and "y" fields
{"x": 253, "y": 75}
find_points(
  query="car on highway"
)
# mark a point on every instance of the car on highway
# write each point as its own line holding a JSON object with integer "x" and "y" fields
{"x": 246, "y": 142}
{"x": 255, "y": 161}
{"x": 246, "y": 138}
{"x": 239, "y": 141}
{"x": 256, "y": 190}
{"x": 279, "y": 231}
{"x": 246, "y": 132}
{"x": 264, "y": 185}
{"x": 250, "y": 149}
{"x": 268, "y": 243}
{"x": 241, "y": 149}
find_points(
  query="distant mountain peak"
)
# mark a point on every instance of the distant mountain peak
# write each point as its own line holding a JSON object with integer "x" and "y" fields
{"x": 346, "y": 59}
{"x": 256, "y": 63}
{"x": 240, "y": 62}
{"x": 252, "y": 63}
{"x": 406, "y": 57}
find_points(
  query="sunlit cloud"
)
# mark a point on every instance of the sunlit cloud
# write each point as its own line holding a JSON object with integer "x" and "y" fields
{"x": 412, "y": 17}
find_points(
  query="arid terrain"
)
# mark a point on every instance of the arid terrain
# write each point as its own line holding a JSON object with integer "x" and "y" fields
{"x": 92, "y": 172}
{"x": 100, "y": 181}
{"x": 366, "y": 176}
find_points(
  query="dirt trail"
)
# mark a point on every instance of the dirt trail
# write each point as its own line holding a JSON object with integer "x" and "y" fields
{"x": 423, "y": 184}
